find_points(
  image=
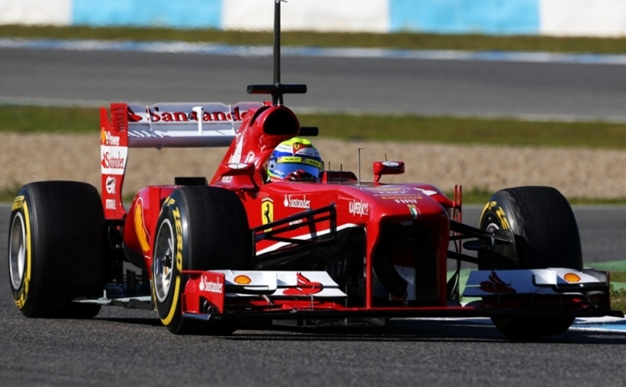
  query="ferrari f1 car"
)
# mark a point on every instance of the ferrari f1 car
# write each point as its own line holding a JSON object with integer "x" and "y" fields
{"x": 211, "y": 254}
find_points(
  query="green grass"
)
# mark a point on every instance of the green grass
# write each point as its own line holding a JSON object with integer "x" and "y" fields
{"x": 618, "y": 276}
{"x": 456, "y": 130}
{"x": 618, "y": 297}
{"x": 27, "y": 119}
{"x": 618, "y": 300}
{"x": 300, "y": 38}
{"x": 446, "y": 130}
{"x": 8, "y": 194}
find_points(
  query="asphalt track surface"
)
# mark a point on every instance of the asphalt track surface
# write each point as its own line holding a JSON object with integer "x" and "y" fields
{"x": 467, "y": 88}
{"x": 130, "y": 347}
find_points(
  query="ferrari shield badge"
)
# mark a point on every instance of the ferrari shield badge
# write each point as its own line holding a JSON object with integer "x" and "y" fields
{"x": 267, "y": 212}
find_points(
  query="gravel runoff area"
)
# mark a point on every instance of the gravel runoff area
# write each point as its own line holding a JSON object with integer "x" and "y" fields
{"x": 575, "y": 172}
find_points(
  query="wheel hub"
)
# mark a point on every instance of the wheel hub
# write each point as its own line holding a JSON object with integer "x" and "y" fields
{"x": 17, "y": 251}
{"x": 162, "y": 265}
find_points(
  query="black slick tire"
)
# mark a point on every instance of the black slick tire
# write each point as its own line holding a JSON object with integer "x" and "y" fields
{"x": 57, "y": 249}
{"x": 199, "y": 228}
{"x": 546, "y": 235}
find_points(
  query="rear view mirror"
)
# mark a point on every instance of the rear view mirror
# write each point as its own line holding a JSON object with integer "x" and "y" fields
{"x": 387, "y": 168}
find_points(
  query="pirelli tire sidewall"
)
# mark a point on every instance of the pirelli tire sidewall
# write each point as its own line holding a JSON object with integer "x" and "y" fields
{"x": 24, "y": 293}
{"x": 497, "y": 213}
{"x": 543, "y": 223}
{"x": 174, "y": 211}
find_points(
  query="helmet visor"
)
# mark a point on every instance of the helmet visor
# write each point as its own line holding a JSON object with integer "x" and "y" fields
{"x": 287, "y": 165}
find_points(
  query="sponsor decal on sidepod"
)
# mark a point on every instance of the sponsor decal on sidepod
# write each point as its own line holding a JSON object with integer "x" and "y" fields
{"x": 359, "y": 208}
{"x": 294, "y": 202}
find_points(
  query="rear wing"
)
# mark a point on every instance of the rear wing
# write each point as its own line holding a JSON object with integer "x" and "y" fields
{"x": 177, "y": 124}
{"x": 157, "y": 126}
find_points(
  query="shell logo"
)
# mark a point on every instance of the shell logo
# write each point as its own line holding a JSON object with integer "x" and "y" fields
{"x": 571, "y": 277}
{"x": 242, "y": 280}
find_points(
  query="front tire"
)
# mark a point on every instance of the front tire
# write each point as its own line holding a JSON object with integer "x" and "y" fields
{"x": 199, "y": 228}
{"x": 56, "y": 249}
{"x": 546, "y": 235}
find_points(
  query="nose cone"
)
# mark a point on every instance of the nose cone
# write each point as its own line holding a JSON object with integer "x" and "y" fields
{"x": 399, "y": 202}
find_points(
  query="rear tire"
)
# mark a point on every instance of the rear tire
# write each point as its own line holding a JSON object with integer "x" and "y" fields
{"x": 57, "y": 249}
{"x": 199, "y": 228}
{"x": 546, "y": 235}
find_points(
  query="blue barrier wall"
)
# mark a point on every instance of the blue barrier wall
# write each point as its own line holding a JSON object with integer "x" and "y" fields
{"x": 170, "y": 13}
{"x": 465, "y": 16}
{"x": 438, "y": 16}
{"x": 496, "y": 17}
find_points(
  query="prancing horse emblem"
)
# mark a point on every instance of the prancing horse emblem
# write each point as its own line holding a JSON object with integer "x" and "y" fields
{"x": 267, "y": 211}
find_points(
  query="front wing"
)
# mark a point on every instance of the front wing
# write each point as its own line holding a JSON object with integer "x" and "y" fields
{"x": 314, "y": 294}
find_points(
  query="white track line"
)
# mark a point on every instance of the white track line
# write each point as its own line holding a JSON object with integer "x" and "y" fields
{"x": 345, "y": 52}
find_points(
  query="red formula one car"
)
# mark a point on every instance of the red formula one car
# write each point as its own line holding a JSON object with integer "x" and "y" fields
{"x": 237, "y": 248}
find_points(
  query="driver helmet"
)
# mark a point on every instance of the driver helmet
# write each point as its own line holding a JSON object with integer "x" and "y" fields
{"x": 295, "y": 159}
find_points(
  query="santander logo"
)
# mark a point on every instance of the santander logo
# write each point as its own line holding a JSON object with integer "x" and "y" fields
{"x": 113, "y": 159}
{"x": 132, "y": 116}
{"x": 210, "y": 286}
{"x": 155, "y": 114}
{"x": 295, "y": 202}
